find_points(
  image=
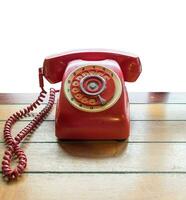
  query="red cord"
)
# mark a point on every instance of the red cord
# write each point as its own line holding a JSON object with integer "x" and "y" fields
{"x": 13, "y": 148}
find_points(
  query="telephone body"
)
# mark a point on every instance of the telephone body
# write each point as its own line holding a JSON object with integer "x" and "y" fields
{"x": 93, "y": 102}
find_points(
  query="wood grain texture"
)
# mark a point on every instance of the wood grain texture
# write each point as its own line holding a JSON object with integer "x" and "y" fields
{"x": 96, "y": 186}
{"x": 134, "y": 97}
{"x": 150, "y": 165}
{"x": 105, "y": 156}
{"x": 137, "y": 111}
{"x": 141, "y": 131}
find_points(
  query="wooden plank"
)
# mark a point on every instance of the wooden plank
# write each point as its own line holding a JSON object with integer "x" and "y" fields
{"x": 157, "y": 97}
{"x": 134, "y": 97}
{"x": 91, "y": 187}
{"x": 158, "y": 111}
{"x": 19, "y": 98}
{"x": 7, "y": 110}
{"x": 105, "y": 156}
{"x": 141, "y": 131}
{"x": 45, "y": 132}
{"x": 137, "y": 111}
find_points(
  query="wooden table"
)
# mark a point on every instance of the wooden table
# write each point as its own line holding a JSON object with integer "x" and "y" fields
{"x": 150, "y": 165}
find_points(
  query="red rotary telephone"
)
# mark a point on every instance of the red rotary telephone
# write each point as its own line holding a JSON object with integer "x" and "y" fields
{"x": 93, "y": 102}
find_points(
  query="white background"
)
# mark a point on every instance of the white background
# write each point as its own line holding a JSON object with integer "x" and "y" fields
{"x": 154, "y": 30}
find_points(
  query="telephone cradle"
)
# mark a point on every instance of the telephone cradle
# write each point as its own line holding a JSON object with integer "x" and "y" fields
{"x": 93, "y": 101}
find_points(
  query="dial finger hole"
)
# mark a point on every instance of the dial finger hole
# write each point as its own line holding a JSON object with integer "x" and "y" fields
{"x": 79, "y": 78}
{"x": 75, "y": 90}
{"x": 84, "y": 100}
{"x": 100, "y": 73}
{"x": 78, "y": 96}
{"x": 92, "y": 72}
{"x": 92, "y": 101}
{"x": 75, "y": 83}
{"x": 85, "y": 73}
{"x": 106, "y": 77}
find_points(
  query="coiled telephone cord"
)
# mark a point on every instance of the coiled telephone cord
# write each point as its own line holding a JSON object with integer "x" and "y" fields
{"x": 12, "y": 143}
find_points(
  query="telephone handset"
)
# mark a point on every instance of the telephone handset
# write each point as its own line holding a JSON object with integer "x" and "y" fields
{"x": 54, "y": 66}
{"x": 92, "y": 105}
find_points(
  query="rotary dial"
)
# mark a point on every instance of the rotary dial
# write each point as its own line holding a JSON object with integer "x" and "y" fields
{"x": 92, "y": 88}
